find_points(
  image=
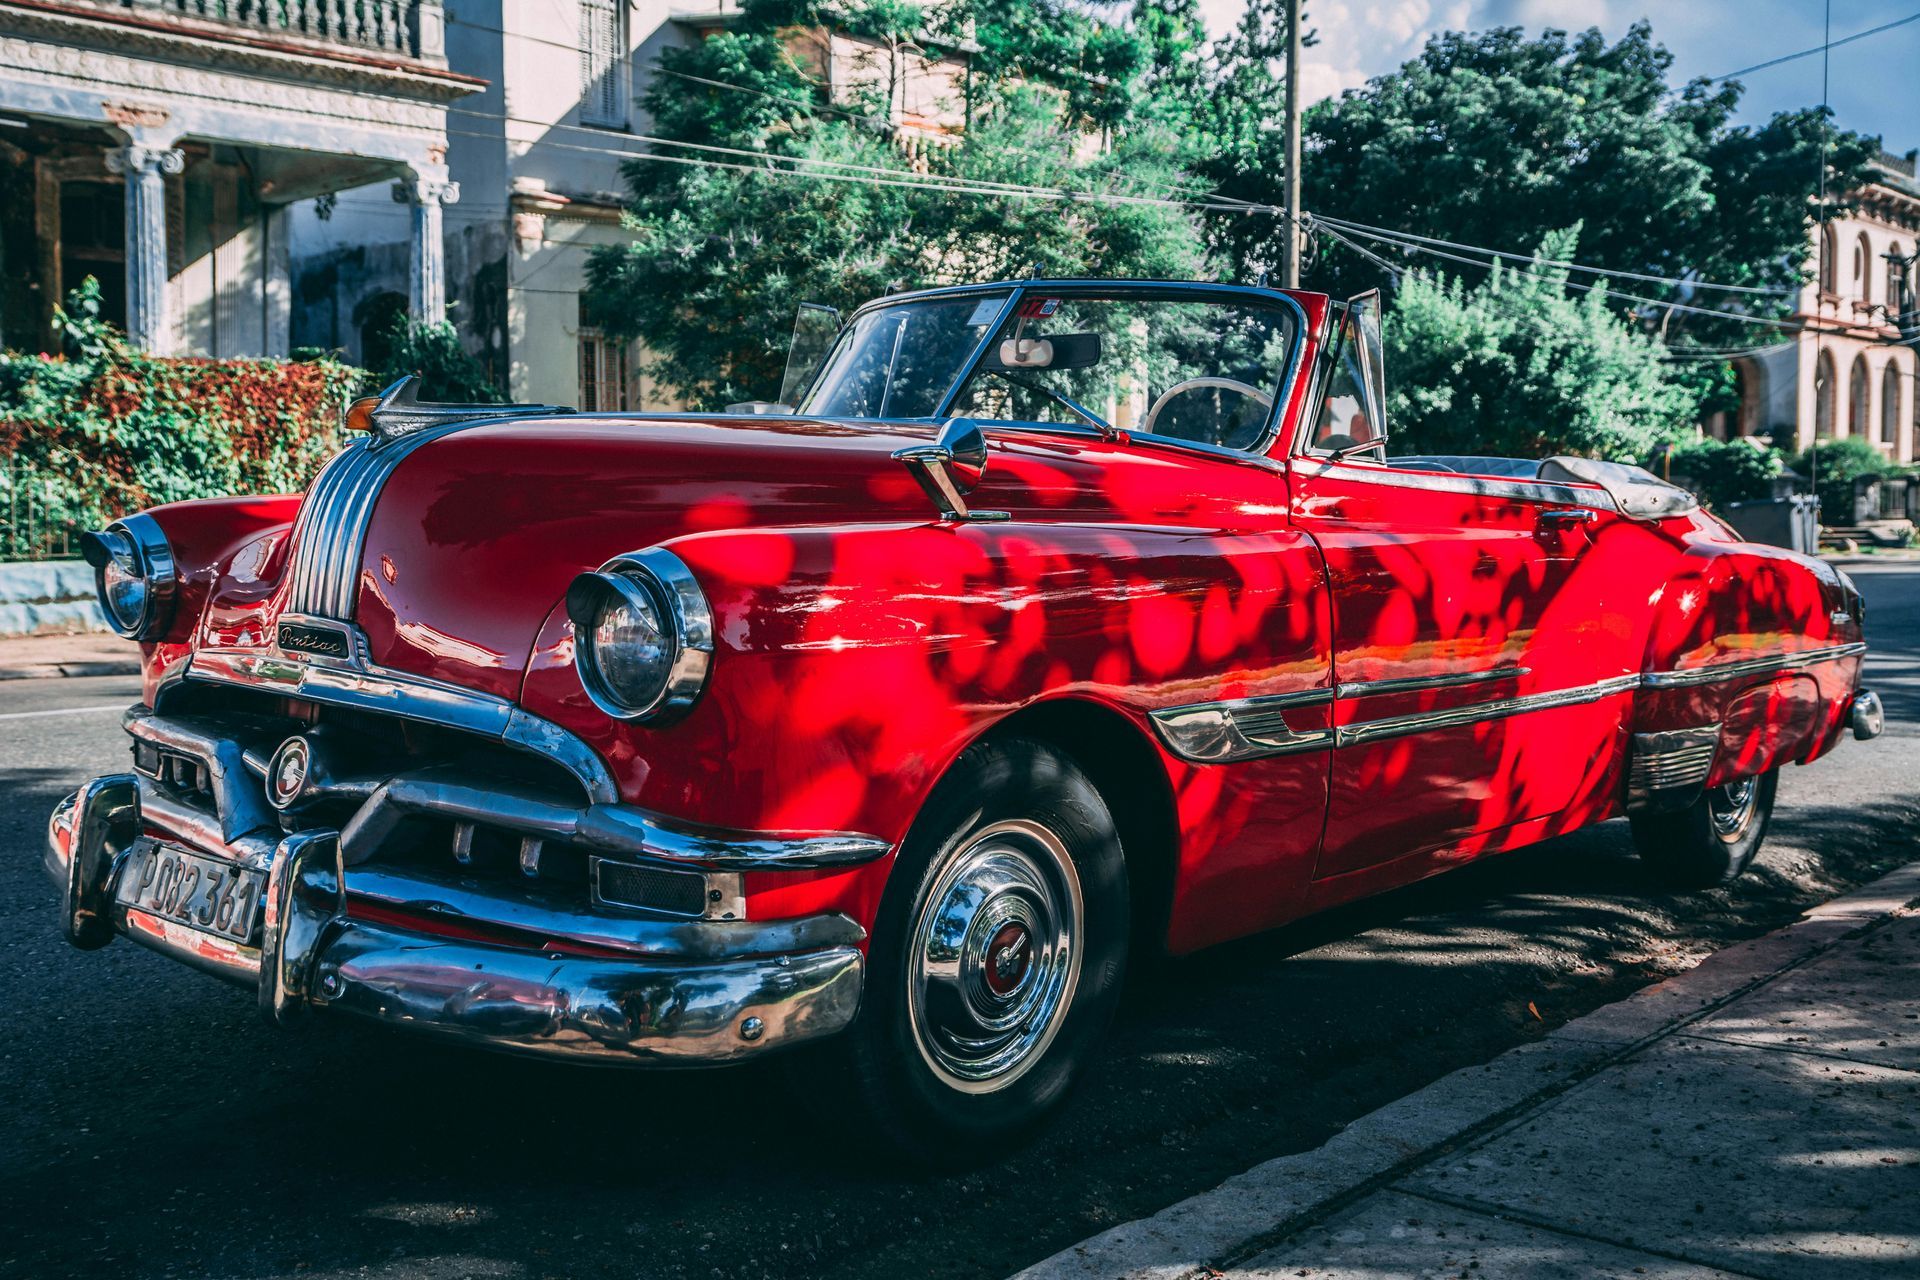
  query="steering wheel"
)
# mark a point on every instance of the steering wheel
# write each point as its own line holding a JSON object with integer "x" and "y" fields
{"x": 1201, "y": 384}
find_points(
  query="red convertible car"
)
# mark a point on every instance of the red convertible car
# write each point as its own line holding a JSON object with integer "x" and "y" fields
{"x": 1056, "y": 621}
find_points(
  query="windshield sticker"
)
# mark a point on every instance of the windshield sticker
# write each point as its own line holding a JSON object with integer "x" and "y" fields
{"x": 985, "y": 312}
{"x": 1038, "y": 308}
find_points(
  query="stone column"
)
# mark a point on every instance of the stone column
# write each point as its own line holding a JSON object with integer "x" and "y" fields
{"x": 427, "y": 283}
{"x": 145, "y": 167}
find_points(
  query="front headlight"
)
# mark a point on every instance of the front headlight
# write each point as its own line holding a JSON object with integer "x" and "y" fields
{"x": 642, "y": 635}
{"x": 133, "y": 572}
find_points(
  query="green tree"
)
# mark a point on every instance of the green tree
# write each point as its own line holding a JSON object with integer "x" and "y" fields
{"x": 1496, "y": 139}
{"x": 447, "y": 371}
{"x": 1514, "y": 366}
{"x": 721, "y": 256}
{"x": 1722, "y": 471}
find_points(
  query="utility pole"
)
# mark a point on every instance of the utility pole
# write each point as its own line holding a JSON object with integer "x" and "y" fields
{"x": 1290, "y": 263}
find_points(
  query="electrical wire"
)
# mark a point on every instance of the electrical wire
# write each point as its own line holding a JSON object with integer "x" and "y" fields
{"x": 1819, "y": 48}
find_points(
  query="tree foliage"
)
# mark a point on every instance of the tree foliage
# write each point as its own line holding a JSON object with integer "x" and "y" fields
{"x": 447, "y": 370}
{"x": 1496, "y": 139}
{"x": 1834, "y": 465}
{"x": 1722, "y": 471}
{"x": 720, "y": 257}
{"x": 1514, "y": 366}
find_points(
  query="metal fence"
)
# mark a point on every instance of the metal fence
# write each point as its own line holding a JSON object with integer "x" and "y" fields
{"x": 36, "y": 522}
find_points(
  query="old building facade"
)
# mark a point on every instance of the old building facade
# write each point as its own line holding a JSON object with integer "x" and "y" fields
{"x": 538, "y": 155}
{"x": 159, "y": 146}
{"x": 1849, "y": 371}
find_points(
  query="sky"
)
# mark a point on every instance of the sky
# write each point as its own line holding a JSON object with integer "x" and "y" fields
{"x": 1875, "y": 82}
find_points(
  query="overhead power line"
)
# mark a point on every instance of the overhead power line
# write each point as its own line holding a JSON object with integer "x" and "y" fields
{"x": 1819, "y": 48}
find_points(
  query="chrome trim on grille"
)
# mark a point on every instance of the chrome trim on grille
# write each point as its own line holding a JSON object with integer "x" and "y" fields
{"x": 1751, "y": 666}
{"x": 410, "y": 697}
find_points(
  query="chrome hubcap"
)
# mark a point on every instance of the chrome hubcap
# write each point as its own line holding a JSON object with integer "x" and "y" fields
{"x": 995, "y": 956}
{"x": 1732, "y": 808}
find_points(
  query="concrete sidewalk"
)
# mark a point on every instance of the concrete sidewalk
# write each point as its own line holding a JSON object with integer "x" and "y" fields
{"x": 1755, "y": 1116}
{"x": 88, "y": 654}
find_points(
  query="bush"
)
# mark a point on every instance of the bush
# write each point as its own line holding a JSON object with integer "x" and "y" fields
{"x": 103, "y": 429}
{"x": 447, "y": 372}
{"x": 1722, "y": 471}
{"x": 1834, "y": 465}
{"x": 1515, "y": 366}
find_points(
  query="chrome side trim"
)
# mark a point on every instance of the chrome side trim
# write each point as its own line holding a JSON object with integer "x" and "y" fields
{"x": 1751, "y": 666}
{"x": 1442, "y": 482}
{"x": 410, "y": 697}
{"x": 1422, "y": 721}
{"x": 1420, "y": 684}
{"x": 1217, "y": 732}
{"x": 1241, "y": 729}
{"x": 1666, "y": 770}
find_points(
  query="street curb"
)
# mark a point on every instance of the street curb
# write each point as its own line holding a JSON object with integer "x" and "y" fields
{"x": 1248, "y": 1213}
{"x": 55, "y": 670}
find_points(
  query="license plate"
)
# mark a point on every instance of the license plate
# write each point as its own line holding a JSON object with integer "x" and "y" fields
{"x": 199, "y": 892}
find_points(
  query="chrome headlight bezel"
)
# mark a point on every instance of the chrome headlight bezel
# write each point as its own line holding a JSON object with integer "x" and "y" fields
{"x": 658, "y": 579}
{"x": 137, "y": 546}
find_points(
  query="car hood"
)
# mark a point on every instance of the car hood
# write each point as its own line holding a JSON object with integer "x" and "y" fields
{"x": 476, "y": 534}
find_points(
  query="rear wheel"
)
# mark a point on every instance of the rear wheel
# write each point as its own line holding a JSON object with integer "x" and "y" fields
{"x": 1712, "y": 841}
{"x": 996, "y": 959}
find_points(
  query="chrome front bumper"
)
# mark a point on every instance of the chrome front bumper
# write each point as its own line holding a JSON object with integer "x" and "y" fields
{"x": 583, "y": 985}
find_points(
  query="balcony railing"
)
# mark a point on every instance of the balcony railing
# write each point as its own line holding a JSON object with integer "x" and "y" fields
{"x": 399, "y": 28}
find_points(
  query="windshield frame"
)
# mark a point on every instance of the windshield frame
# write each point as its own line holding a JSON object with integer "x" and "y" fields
{"x": 1169, "y": 290}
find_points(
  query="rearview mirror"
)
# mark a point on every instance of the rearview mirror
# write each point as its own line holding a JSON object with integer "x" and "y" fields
{"x": 1048, "y": 351}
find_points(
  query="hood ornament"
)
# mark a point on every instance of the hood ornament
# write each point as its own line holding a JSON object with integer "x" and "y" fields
{"x": 950, "y": 468}
{"x": 399, "y": 411}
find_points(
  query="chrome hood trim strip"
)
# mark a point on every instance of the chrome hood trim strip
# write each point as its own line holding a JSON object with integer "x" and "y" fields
{"x": 1751, "y": 666}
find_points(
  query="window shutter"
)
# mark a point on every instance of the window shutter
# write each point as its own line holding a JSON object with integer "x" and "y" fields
{"x": 600, "y": 52}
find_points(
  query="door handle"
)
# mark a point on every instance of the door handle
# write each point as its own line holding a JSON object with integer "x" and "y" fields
{"x": 1567, "y": 515}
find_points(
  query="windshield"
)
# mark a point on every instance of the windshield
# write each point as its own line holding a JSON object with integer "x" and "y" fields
{"x": 1200, "y": 368}
{"x": 899, "y": 361}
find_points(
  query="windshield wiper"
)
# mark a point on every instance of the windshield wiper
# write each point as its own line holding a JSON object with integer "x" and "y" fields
{"x": 1094, "y": 420}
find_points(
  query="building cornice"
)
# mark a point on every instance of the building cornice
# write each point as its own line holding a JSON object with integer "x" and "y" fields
{"x": 219, "y": 47}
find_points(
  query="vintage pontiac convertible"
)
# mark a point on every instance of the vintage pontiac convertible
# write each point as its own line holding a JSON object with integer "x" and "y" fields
{"x": 1053, "y": 622}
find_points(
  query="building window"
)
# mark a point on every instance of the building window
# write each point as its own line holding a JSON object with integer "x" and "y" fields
{"x": 1829, "y": 261}
{"x": 1899, "y": 301}
{"x": 1863, "y": 278}
{"x": 1858, "y": 390}
{"x": 1823, "y": 396}
{"x": 602, "y": 63}
{"x": 1890, "y": 405}
{"x": 604, "y": 380}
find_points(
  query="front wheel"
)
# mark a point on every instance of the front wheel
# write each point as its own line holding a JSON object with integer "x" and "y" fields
{"x": 996, "y": 960}
{"x": 1711, "y": 841}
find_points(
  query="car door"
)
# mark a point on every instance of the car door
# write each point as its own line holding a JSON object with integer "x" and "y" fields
{"x": 1472, "y": 699}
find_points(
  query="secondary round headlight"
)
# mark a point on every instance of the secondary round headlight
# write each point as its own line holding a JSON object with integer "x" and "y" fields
{"x": 133, "y": 572}
{"x": 642, "y": 635}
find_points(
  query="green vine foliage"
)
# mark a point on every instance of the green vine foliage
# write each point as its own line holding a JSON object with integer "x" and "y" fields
{"x": 104, "y": 429}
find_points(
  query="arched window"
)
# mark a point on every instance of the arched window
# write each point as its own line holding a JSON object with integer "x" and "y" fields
{"x": 1858, "y": 393}
{"x": 1829, "y": 260}
{"x": 1890, "y": 405}
{"x": 1862, "y": 277}
{"x": 1823, "y": 391}
{"x": 1898, "y": 300}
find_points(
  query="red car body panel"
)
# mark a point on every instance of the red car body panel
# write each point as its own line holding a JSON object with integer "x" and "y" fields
{"x": 863, "y": 645}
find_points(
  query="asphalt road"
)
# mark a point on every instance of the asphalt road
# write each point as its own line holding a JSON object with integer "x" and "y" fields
{"x": 151, "y": 1126}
